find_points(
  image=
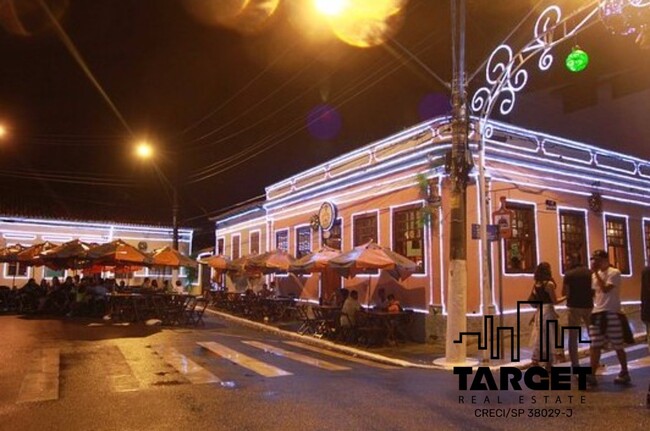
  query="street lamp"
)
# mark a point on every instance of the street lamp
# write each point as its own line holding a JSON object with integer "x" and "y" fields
{"x": 145, "y": 151}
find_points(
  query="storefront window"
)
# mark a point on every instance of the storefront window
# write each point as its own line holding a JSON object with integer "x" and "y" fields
{"x": 365, "y": 228}
{"x": 235, "y": 246}
{"x": 573, "y": 235}
{"x": 51, "y": 273}
{"x": 521, "y": 248}
{"x": 408, "y": 235}
{"x": 221, "y": 245}
{"x": 616, "y": 231}
{"x": 282, "y": 240}
{"x": 303, "y": 241}
{"x": 255, "y": 242}
{"x": 16, "y": 270}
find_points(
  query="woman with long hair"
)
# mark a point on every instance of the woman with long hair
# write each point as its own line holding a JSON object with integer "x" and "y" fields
{"x": 544, "y": 291}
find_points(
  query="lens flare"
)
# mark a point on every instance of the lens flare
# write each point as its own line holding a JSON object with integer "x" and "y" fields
{"x": 26, "y": 17}
{"x": 433, "y": 105}
{"x": 368, "y": 23}
{"x": 324, "y": 122}
{"x": 331, "y": 7}
{"x": 243, "y": 16}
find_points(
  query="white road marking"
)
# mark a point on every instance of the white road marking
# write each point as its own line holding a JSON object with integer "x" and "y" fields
{"x": 252, "y": 364}
{"x": 297, "y": 356}
{"x": 192, "y": 371}
{"x": 42, "y": 381}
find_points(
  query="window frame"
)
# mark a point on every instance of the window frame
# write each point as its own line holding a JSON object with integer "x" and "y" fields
{"x": 646, "y": 239}
{"x": 584, "y": 253}
{"x": 259, "y": 241}
{"x": 288, "y": 240}
{"x": 361, "y": 216}
{"x": 626, "y": 247}
{"x": 298, "y": 230}
{"x": 504, "y": 245}
{"x": 232, "y": 246}
{"x": 417, "y": 207}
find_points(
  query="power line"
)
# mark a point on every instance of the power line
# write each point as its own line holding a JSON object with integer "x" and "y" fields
{"x": 77, "y": 56}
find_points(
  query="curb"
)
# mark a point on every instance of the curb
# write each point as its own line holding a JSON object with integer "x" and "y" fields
{"x": 359, "y": 353}
{"x": 323, "y": 343}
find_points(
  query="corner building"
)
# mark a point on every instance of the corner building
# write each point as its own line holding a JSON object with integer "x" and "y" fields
{"x": 564, "y": 196}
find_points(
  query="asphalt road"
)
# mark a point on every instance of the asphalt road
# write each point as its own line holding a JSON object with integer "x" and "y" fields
{"x": 62, "y": 374}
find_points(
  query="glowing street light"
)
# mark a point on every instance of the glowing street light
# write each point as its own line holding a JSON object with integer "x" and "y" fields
{"x": 330, "y": 7}
{"x": 144, "y": 150}
{"x": 3, "y": 131}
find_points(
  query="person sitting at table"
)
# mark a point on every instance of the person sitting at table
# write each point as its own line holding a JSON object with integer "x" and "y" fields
{"x": 178, "y": 287}
{"x": 154, "y": 286}
{"x": 265, "y": 292}
{"x": 393, "y": 304}
{"x": 381, "y": 304}
{"x": 349, "y": 310}
{"x": 166, "y": 287}
{"x": 146, "y": 283}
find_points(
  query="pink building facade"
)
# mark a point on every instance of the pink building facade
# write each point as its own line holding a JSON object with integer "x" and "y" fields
{"x": 564, "y": 196}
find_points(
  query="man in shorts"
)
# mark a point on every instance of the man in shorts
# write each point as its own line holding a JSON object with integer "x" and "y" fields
{"x": 605, "y": 321}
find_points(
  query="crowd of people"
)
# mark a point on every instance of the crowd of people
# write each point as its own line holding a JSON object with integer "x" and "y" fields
{"x": 75, "y": 296}
{"x": 592, "y": 296}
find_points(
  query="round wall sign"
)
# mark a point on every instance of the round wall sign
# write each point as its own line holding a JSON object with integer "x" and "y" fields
{"x": 327, "y": 215}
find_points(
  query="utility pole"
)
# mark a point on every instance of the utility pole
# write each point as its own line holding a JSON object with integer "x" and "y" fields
{"x": 460, "y": 164}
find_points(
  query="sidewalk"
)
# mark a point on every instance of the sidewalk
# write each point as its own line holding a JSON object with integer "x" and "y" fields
{"x": 416, "y": 355}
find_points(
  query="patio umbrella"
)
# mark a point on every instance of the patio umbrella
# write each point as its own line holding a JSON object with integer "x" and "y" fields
{"x": 10, "y": 253}
{"x": 372, "y": 256}
{"x": 116, "y": 253}
{"x": 219, "y": 263}
{"x": 239, "y": 265}
{"x": 317, "y": 261}
{"x": 72, "y": 254}
{"x": 31, "y": 255}
{"x": 170, "y": 257}
{"x": 270, "y": 262}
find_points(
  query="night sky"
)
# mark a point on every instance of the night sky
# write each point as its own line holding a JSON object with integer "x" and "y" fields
{"x": 228, "y": 110}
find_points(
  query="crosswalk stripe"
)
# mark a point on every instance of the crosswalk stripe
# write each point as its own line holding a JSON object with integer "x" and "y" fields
{"x": 252, "y": 364}
{"x": 297, "y": 356}
{"x": 340, "y": 355}
{"x": 188, "y": 368}
{"x": 42, "y": 381}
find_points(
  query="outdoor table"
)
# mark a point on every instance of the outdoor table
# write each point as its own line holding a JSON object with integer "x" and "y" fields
{"x": 390, "y": 322}
{"x": 277, "y": 308}
{"x": 125, "y": 306}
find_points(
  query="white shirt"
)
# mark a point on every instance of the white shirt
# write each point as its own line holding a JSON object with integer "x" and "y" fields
{"x": 350, "y": 308}
{"x": 609, "y": 301}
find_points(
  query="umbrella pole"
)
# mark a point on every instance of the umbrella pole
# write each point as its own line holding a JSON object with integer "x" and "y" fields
{"x": 368, "y": 293}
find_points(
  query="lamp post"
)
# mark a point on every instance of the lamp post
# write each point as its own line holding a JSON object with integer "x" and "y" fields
{"x": 145, "y": 151}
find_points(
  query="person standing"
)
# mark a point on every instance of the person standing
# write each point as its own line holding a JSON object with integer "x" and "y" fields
{"x": 544, "y": 292}
{"x": 605, "y": 321}
{"x": 645, "y": 301}
{"x": 576, "y": 287}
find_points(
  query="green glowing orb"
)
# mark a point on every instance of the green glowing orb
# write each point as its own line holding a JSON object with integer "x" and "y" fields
{"x": 577, "y": 60}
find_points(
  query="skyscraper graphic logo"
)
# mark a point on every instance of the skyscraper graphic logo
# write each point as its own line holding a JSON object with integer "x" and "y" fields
{"x": 552, "y": 328}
